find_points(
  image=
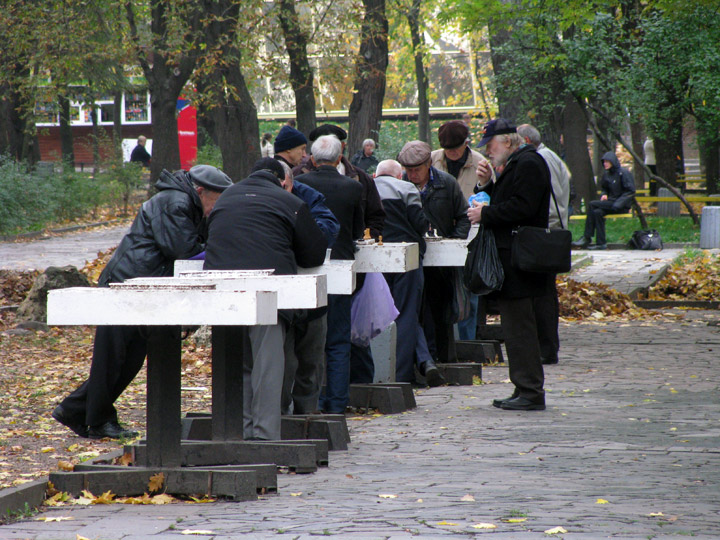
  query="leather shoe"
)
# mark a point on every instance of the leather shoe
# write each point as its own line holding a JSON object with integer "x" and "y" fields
{"x": 498, "y": 402}
{"x": 597, "y": 247}
{"x": 582, "y": 243}
{"x": 111, "y": 430}
{"x": 79, "y": 429}
{"x": 548, "y": 361}
{"x": 433, "y": 376}
{"x": 522, "y": 404}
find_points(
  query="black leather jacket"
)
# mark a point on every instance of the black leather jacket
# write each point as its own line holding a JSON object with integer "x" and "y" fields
{"x": 167, "y": 227}
{"x": 445, "y": 205}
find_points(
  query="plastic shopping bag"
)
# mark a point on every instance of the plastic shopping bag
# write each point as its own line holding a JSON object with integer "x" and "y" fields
{"x": 373, "y": 309}
{"x": 483, "y": 271}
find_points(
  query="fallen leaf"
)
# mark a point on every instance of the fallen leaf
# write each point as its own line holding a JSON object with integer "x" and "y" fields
{"x": 602, "y": 501}
{"x": 515, "y": 520}
{"x": 47, "y": 449}
{"x": 387, "y": 496}
{"x": 468, "y": 498}
{"x": 655, "y": 514}
{"x": 78, "y": 537}
{"x": 198, "y": 532}
{"x": 105, "y": 498}
{"x": 163, "y": 498}
{"x": 447, "y": 523}
{"x": 156, "y": 482}
{"x": 296, "y": 494}
{"x": 556, "y": 530}
{"x": 65, "y": 466}
{"x": 484, "y": 526}
{"x": 58, "y": 518}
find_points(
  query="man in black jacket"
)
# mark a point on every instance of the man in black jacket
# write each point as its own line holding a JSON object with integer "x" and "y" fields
{"x": 519, "y": 196}
{"x": 445, "y": 208}
{"x": 168, "y": 227}
{"x": 344, "y": 199}
{"x": 617, "y": 188}
{"x": 258, "y": 225}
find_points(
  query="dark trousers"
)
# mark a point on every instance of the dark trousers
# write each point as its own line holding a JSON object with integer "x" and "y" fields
{"x": 595, "y": 221}
{"x": 362, "y": 365}
{"x": 337, "y": 354}
{"x": 437, "y": 313}
{"x": 411, "y": 346}
{"x": 118, "y": 354}
{"x": 523, "y": 350}
{"x": 304, "y": 365}
{"x": 547, "y": 313}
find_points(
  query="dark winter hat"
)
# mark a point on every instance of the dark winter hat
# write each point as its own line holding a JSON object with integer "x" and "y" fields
{"x": 414, "y": 153}
{"x": 210, "y": 177}
{"x": 328, "y": 129}
{"x": 452, "y": 134}
{"x": 288, "y": 138}
{"x": 270, "y": 165}
{"x": 499, "y": 126}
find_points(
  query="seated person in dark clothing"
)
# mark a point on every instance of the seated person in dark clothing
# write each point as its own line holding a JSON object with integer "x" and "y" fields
{"x": 140, "y": 154}
{"x": 364, "y": 157}
{"x": 618, "y": 189}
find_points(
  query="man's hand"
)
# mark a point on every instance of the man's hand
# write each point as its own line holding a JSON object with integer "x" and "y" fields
{"x": 475, "y": 212}
{"x": 484, "y": 172}
{"x": 603, "y": 197}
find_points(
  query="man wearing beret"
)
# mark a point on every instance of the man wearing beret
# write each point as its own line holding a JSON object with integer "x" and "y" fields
{"x": 290, "y": 146}
{"x": 169, "y": 226}
{"x": 446, "y": 209}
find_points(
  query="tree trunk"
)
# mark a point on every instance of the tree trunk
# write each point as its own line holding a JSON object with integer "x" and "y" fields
{"x": 418, "y": 42}
{"x": 710, "y": 159}
{"x": 636, "y": 134}
{"x": 235, "y": 118}
{"x": 95, "y": 140}
{"x": 508, "y": 105}
{"x": 66, "y": 136}
{"x": 370, "y": 67}
{"x": 301, "y": 73}
{"x": 576, "y": 152}
{"x": 117, "y": 126}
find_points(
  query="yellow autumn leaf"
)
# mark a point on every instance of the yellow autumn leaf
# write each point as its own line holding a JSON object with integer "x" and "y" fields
{"x": 197, "y": 532}
{"x": 163, "y": 498}
{"x": 58, "y": 518}
{"x": 655, "y": 514}
{"x": 65, "y": 466}
{"x": 296, "y": 494}
{"x": 484, "y": 526}
{"x": 516, "y": 520}
{"x": 447, "y": 523}
{"x": 387, "y": 496}
{"x": 468, "y": 498}
{"x": 602, "y": 501}
{"x": 47, "y": 449}
{"x": 105, "y": 498}
{"x": 556, "y": 530}
{"x": 78, "y": 537}
{"x": 156, "y": 482}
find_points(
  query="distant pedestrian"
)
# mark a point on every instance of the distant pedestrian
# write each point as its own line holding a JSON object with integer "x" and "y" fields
{"x": 364, "y": 157}
{"x": 266, "y": 145}
{"x": 651, "y": 162}
{"x": 168, "y": 227}
{"x": 140, "y": 154}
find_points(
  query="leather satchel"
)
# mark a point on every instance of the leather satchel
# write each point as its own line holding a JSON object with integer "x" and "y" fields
{"x": 537, "y": 249}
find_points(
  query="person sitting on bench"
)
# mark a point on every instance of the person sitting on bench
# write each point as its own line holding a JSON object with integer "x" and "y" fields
{"x": 617, "y": 188}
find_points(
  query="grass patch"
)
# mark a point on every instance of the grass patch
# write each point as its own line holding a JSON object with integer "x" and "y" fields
{"x": 619, "y": 231}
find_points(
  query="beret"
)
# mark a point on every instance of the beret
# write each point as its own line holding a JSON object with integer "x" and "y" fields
{"x": 210, "y": 177}
{"x": 452, "y": 134}
{"x": 288, "y": 138}
{"x": 328, "y": 129}
{"x": 414, "y": 153}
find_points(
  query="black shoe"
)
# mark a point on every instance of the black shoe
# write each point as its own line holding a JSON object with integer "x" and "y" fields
{"x": 598, "y": 247}
{"x": 433, "y": 376}
{"x": 498, "y": 402}
{"x": 79, "y": 429}
{"x": 522, "y": 404}
{"x": 111, "y": 430}
{"x": 548, "y": 361}
{"x": 582, "y": 243}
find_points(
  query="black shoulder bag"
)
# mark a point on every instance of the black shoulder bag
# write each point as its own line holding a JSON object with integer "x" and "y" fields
{"x": 537, "y": 249}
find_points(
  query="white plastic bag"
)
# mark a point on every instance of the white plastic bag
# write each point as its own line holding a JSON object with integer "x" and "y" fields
{"x": 373, "y": 309}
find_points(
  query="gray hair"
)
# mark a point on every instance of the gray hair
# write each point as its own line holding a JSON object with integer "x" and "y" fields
{"x": 389, "y": 167}
{"x": 326, "y": 149}
{"x": 286, "y": 168}
{"x": 368, "y": 141}
{"x": 531, "y": 132}
{"x": 515, "y": 139}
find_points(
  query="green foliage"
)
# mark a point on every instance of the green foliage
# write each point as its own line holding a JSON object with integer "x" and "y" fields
{"x": 32, "y": 200}
{"x": 619, "y": 231}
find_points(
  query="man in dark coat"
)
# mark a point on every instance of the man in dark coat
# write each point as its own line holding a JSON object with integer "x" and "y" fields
{"x": 168, "y": 227}
{"x": 445, "y": 207}
{"x": 617, "y": 187}
{"x": 258, "y": 225}
{"x": 519, "y": 196}
{"x": 140, "y": 153}
{"x": 344, "y": 199}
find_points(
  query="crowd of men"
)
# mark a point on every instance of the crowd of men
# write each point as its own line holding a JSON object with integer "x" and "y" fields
{"x": 295, "y": 206}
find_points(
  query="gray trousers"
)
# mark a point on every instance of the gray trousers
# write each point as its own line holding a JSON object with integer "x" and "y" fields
{"x": 262, "y": 382}
{"x": 304, "y": 366}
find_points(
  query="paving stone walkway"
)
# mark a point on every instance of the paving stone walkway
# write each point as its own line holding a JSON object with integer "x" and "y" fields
{"x": 628, "y": 448}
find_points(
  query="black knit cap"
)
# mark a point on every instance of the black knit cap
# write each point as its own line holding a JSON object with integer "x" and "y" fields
{"x": 328, "y": 129}
{"x": 270, "y": 165}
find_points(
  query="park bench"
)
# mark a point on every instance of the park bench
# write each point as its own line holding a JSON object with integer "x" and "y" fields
{"x": 227, "y": 302}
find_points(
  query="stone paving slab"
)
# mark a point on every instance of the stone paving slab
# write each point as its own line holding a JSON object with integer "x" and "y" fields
{"x": 635, "y": 425}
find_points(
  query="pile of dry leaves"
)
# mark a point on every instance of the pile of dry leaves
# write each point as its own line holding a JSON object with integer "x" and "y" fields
{"x": 694, "y": 279}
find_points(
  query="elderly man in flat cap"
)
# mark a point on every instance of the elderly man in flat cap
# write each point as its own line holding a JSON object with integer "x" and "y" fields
{"x": 445, "y": 207}
{"x": 168, "y": 227}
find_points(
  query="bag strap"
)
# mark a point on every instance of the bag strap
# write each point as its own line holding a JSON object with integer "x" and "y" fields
{"x": 556, "y": 205}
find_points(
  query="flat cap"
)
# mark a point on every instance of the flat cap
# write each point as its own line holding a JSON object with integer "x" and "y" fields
{"x": 328, "y": 129}
{"x": 210, "y": 177}
{"x": 414, "y": 153}
{"x": 452, "y": 134}
{"x": 499, "y": 126}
